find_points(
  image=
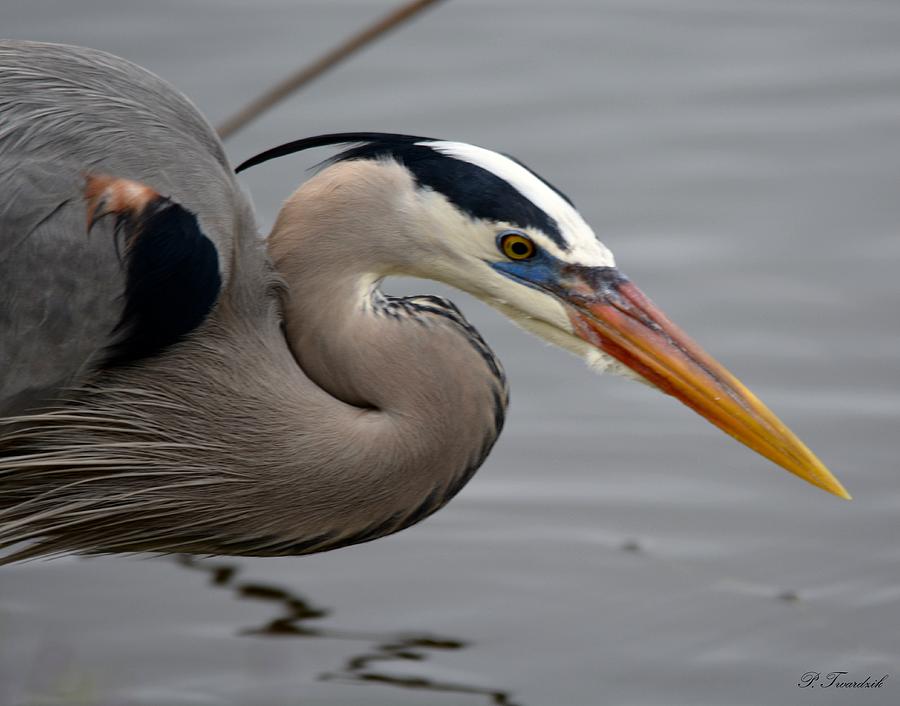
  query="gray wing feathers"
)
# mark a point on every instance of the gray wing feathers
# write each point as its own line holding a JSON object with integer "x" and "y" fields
{"x": 81, "y": 106}
{"x": 64, "y": 112}
{"x": 61, "y": 287}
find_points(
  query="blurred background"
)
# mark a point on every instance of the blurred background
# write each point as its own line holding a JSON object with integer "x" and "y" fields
{"x": 743, "y": 162}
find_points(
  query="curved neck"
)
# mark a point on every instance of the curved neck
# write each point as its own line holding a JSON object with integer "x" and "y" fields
{"x": 429, "y": 394}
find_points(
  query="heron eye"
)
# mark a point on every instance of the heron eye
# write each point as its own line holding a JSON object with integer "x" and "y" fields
{"x": 517, "y": 246}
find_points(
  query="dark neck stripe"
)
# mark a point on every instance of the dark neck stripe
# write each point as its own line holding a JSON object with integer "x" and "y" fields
{"x": 412, "y": 309}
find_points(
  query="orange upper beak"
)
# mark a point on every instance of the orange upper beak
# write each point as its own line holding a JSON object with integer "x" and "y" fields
{"x": 609, "y": 312}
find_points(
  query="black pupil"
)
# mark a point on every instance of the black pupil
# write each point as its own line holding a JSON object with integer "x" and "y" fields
{"x": 520, "y": 248}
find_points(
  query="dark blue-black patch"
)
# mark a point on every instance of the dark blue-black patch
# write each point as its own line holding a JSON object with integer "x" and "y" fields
{"x": 472, "y": 189}
{"x": 172, "y": 280}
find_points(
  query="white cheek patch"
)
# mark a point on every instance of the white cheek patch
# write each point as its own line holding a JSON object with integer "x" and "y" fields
{"x": 584, "y": 248}
{"x": 556, "y": 329}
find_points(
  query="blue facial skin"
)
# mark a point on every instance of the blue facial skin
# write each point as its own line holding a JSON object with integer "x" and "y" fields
{"x": 550, "y": 275}
{"x": 541, "y": 271}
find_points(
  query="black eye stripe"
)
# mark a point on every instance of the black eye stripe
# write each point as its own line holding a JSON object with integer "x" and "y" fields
{"x": 471, "y": 188}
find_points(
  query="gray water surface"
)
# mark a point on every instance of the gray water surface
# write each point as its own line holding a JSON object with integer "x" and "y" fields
{"x": 742, "y": 159}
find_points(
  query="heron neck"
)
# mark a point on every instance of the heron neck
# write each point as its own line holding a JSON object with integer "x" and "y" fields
{"x": 428, "y": 395}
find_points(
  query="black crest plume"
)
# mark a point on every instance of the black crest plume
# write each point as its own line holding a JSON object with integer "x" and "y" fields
{"x": 473, "y": 189}
{"x": 386, "y": 139}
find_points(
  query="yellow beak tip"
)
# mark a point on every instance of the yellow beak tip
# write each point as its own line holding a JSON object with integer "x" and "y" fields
{"x": 832, "y": 485}
{"x": 844, "y": 494}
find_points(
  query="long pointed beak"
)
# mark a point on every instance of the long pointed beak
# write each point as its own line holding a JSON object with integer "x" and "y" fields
{"x": 609, "y": 312}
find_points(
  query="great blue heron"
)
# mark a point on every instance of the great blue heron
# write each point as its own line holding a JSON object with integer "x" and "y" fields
{"x": 173, "y": 383}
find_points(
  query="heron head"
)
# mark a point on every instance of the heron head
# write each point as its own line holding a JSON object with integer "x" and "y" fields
{"x": 483, "y": 222}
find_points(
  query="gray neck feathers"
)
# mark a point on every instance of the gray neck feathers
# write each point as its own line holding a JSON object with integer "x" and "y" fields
{"x": 425, "y": 396}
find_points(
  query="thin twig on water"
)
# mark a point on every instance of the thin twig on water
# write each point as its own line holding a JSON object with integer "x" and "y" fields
{"x": 300, "y": 78}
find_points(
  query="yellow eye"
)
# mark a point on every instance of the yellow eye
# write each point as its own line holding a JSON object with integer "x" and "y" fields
{"x": 517, "y": 246}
